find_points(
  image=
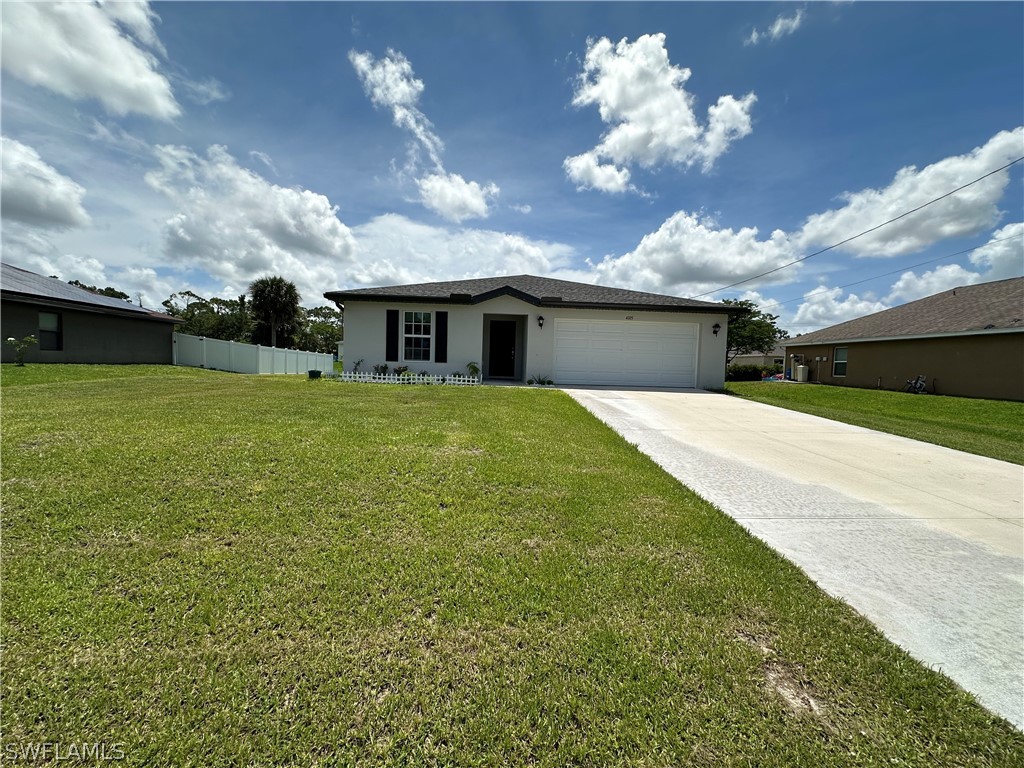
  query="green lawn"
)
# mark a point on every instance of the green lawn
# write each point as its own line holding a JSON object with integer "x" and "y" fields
{"x": 211, "y": 569}
{"x": 992, "y": 428}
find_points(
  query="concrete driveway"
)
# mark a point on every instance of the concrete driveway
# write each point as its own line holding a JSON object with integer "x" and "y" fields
{"x": 926, "y": 542}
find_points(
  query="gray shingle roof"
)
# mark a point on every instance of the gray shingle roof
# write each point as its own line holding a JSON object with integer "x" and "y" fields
{"x": 540, "y": 291}
{"x": 20, "y": 283}
{"x": 996, "y": 306}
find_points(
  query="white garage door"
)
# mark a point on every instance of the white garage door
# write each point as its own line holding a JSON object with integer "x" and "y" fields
{"x": 625, "y": 352}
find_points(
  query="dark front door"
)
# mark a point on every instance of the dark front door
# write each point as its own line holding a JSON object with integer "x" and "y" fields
{"x": 502, "y": 363}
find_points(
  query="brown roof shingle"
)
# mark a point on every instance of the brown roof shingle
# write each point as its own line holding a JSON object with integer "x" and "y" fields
{"x": 996, "y": 306}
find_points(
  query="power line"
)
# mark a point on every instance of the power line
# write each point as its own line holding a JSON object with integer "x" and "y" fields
{"x": 886, "y": 274}
{"x": 861, "y": 234}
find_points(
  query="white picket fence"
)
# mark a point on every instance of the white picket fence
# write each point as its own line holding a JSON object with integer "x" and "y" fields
{"x": 220, "y": 355}
{"x": 408, "y": 378}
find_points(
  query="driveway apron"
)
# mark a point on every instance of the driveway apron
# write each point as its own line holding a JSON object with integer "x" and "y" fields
{"x": 925, "y": 541}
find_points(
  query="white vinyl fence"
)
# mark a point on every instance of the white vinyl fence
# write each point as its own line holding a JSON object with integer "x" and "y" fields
{"x": 219, "y": 355}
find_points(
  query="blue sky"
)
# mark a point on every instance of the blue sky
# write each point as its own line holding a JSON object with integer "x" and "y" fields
{"x": 666, "y": 147}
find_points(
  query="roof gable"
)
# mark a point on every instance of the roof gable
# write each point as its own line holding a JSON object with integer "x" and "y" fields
{"x": 539, "y": 291}
{"x": 985, "y": 307}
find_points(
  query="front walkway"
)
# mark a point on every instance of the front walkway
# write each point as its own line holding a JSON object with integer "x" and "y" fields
{"x": 925, "y": 541}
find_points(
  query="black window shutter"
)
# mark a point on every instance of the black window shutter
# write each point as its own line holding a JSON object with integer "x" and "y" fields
{"x": 391, "y": 347}
{"x": 441, "y": 337}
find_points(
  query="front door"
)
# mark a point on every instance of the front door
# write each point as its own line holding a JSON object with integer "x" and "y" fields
{"x": 502, "y": 363}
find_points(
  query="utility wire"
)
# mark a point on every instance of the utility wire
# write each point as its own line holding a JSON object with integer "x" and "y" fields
{"x": 861, "y": 234}
{"x": 886, "y": 274}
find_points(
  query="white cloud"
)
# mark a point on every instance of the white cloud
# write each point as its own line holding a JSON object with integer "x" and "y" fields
{"x": 1003, "y": 256}
{"x": 85, "y": 50}
{"x": 782, "y": 26}
{"x": 999, "y": 259}
{"x": 822, "y": 308}
{"x": 525, "y": 208}
{"x": 689, "y": 254}
{"x": 642, "y": 96}
{"x": 237, "y": 226}
{"x": 728, "y": 120}
{"x": 264, "y": 158}
{"x": 204, "y": 92}
{"x": 392, "y": 249}
{"x": 911, "y": 286}
{"x": 391, "y": 84}
{"x": 117, "y": 137}
{"x": 455, "y": 198}
{"x": 587, "y": 172}
{"x": 968, "y": 212}
{"x": 35, "y": 193}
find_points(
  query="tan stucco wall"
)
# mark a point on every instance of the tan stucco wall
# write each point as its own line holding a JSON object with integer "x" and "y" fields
{"x": 89, "y": 337}
{"x": 990, "y": 366}
{"x": 365, "y": 331}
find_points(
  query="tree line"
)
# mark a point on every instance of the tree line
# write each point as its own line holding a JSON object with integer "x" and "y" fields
{"x": 268, "y": 313}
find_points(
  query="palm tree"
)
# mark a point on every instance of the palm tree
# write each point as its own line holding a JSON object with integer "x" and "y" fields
{"x": 275, "y": 302}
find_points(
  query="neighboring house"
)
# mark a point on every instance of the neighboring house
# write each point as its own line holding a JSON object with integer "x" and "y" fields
{"x": 520, "y": 327}
{"x": 776, "y": 357}
{"x": 74, "y": 325}
{"x": 968, "y": 341}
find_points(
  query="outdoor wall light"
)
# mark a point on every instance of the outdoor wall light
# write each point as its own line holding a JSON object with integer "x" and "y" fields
{"x": 716, "y": 328}
{"x": 540, "y": 320}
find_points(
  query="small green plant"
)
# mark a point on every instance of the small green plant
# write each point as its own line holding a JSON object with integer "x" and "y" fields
{"x": 539, "y": 381}
{"x": 20, "y": 346}
{"x": 381, "y": 369}
{"x": 400, "y": 370}
{"x": 473, "y": 368}
{"x": 357, "y": 365}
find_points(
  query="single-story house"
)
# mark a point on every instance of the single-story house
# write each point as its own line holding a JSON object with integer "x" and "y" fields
{"x": 74, "y": 325}
{"x": 777, "y": 356}
{"x": 522, "y": 327}
{"x": 968, "y": 341}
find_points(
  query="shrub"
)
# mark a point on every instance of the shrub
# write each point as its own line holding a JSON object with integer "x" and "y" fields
{"x": 743, "y": 373}
{"x": 20, "y": 345}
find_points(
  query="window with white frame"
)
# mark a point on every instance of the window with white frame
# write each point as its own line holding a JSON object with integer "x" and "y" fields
{"x": 839, "y": 361}
{"x": 416, "y": 336}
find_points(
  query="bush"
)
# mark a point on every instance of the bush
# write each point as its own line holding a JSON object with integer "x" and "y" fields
{"x": 743, "y": 373}
{"x": 751, "y": 372}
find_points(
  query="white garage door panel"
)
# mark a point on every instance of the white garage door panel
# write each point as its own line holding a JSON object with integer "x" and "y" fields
{"x": 625, "y": 352}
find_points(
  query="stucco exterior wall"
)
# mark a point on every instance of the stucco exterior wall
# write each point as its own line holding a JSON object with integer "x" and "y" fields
{"x": 989, "y": 366}
{"x": 365, "y": 335}
{"x": 89, "y": 337}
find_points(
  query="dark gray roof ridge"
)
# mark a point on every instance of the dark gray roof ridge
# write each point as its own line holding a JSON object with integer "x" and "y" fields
{"x": 541, "y": 291}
